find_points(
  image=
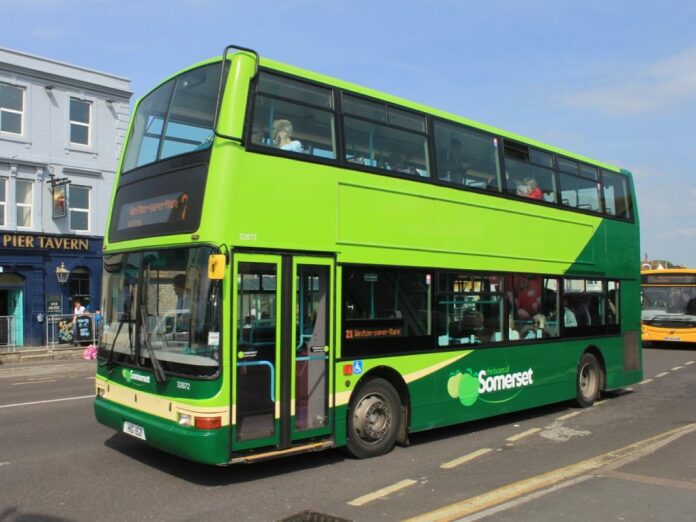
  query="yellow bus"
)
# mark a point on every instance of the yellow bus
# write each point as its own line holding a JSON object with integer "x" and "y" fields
{"x": 669, "y": 306}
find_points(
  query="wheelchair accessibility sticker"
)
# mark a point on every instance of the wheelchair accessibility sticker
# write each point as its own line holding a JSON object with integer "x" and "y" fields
{"x": 357, "y": 367}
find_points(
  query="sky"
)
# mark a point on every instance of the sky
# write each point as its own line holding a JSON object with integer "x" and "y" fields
{"x": 614, "y": 80}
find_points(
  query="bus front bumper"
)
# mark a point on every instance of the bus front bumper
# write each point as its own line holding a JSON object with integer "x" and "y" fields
{"x": 204, "y": 446}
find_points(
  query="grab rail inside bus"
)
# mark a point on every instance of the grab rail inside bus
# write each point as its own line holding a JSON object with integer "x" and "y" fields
{"x": 220, "y": 87}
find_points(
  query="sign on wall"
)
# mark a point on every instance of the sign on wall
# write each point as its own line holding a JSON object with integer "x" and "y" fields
{"x": 54, "y": 304}
{"x": 60, "y": 201}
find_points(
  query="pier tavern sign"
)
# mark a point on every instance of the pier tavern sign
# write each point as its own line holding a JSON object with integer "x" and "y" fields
{"x": 44, "y": 242}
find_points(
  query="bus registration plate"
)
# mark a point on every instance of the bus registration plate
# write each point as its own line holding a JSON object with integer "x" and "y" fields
{"x": 134, "y": 429}
{"x": 668, "y": 338}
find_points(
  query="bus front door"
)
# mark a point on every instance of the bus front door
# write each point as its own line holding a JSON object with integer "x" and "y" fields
{"x": 281, "y": 350}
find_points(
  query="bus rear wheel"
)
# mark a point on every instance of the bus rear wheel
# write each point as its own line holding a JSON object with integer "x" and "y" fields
{"x": 589, "y": 380}
{"x": 374, "y": 418}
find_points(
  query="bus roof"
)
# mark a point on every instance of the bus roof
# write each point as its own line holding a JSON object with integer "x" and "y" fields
{"x": 668, "y": 271}
{"x": 366, "y": 91}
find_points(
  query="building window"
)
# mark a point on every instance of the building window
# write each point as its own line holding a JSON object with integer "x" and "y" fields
{"x": 79, "y": 208}
{"x": 79, "y": 121}
{"x": 11, "y": 108}
{"x": 24, "y": 202}
{"x": 78, "y": 285}
{"x": 3, "y": 200}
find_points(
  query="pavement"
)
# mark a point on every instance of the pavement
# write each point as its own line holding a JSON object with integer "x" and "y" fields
{"x": 40, "y": 354}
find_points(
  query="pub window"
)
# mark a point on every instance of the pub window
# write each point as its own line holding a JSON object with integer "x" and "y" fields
{"x": 375, "y": 137}
{"x": 79, "y": 208}
{"x": 78, "y": 283}
{"x": 469, "y": 309}
{"x": 80, "y": 119}
{"x": 11, "y": 108}
{"x": 293, "y": 117}
{"x": 616, "y": 196}
{"x": 24, "y": 202}
{"x": 466, "y": 157}
{"x": 386, "y": 310}
{"x": 534, "y": 302}
{"x": 3, "y": 200}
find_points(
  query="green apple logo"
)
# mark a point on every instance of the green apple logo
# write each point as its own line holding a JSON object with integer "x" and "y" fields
{"x": 463, "y": 386}
{"x": 453, "y": 384}
{"x": 468, "y": 388}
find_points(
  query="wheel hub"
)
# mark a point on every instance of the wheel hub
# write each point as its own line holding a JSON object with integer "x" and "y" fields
{"x": 372, "y": 418}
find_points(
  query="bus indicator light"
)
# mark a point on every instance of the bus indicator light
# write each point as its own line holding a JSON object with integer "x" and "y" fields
{"x": 347, "y": 369}
{"x": 208, "y": 423}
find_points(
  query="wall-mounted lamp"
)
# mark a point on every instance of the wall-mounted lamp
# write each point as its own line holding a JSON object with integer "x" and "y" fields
{"x": 48, "y": 88}
{"x": 110, "y": 102}
{"x": 62, "y": 273}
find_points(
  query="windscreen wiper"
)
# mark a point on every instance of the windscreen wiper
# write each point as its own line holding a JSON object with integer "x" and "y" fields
{"x": 125, "y": 318}
{"x": 160, "y": 375}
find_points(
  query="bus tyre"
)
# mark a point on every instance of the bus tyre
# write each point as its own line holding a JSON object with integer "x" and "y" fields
{"x": 374, "y": 418}
{"x": 589, "y": 381}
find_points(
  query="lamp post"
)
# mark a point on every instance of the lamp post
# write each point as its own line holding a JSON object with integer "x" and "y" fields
{"x": 62, "y": 273}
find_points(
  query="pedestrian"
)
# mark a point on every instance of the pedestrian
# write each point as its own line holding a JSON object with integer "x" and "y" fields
{"x": 78, "y": 310}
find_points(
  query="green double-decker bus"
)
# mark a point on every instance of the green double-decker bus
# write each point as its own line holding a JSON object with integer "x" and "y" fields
{"x": 294, "y": 263}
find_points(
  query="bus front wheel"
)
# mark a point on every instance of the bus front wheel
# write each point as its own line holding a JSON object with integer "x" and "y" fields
{"x": 589, "y": 380}
{"x": 374, "y": 418}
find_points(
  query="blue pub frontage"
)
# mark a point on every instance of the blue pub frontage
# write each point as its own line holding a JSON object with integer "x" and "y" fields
{"x": 62, "y": 128}
{"x": 30, "y": 290}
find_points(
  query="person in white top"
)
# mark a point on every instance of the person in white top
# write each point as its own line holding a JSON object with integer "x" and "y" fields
{"x": 282, "y": 136}
{"x": 78, "y": 310}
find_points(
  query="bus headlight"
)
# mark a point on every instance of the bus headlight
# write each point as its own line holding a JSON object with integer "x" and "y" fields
{"x": 185, "y": 419}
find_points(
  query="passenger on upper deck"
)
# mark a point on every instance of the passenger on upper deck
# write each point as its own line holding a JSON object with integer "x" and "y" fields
{"x": 533, "y": 190}
{"x": 282, "y": 136}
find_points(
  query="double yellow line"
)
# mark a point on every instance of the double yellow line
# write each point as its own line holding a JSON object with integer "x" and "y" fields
{"x": 553, "y": 479}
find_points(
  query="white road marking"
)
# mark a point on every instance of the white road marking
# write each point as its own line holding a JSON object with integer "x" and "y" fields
{"x": 568, "y": 415}
{"x": 559, "y": 433}
{"x": 466, "y": 458}
{"x": 46, "y": 402}
{"x": 33, "y": 382}
{"x": 523, "y": 434}
{"x": 4, "y": 463}
{"x": 361, "y": 501}
{"x": 689, "y": 363}
{"x": 517, "y": 493}
{"x": 661, "y": 375}
{"x": 676, "y": 368}
{"x": 646, "y": 381}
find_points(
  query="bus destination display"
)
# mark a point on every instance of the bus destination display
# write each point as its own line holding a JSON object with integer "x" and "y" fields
{"x": 168, "y": 208}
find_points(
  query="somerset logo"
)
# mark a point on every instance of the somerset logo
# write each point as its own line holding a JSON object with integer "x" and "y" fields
{"x": 467, "y": 386}
{"x": 130, "y": 376}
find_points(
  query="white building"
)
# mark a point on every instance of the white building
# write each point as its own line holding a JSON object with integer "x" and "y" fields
{"x": 61, "y": 132}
